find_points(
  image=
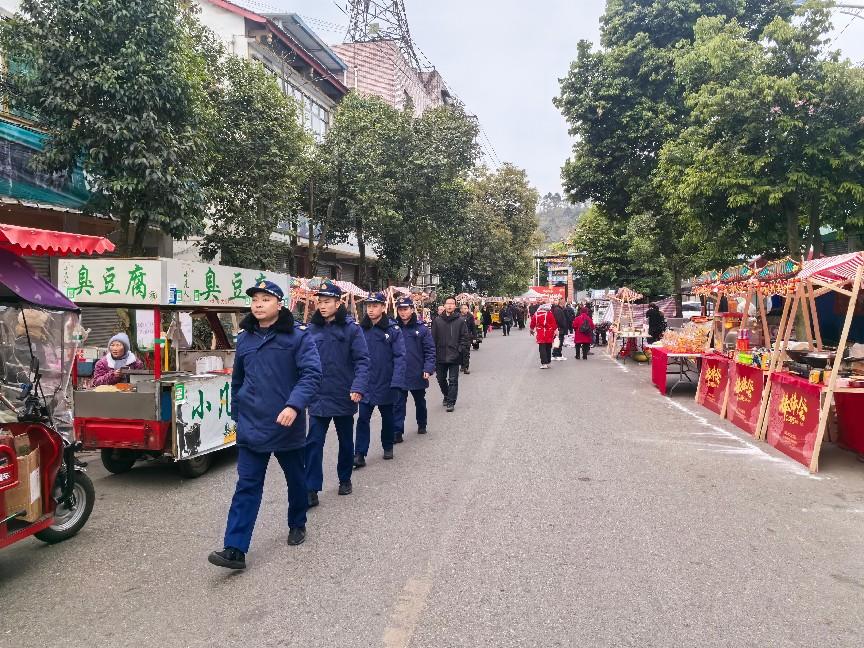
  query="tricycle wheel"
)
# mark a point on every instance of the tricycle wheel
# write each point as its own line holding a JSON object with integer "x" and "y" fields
{"x": 196, "y": 466}
{"x": 118, "y": 461}
{"x": 68, "y": 520}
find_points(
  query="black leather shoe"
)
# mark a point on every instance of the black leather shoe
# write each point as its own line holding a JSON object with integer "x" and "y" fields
{"x": 398, "y": 439}
{"x": 450, "y": 407}
{"x": 296, "y": 536}
{"x": 313, "y": 499}
{"x": 388, "y": 454}
{"x": 421, "y": 430}
{"x": 467, "y": 371}
{"x": 345, "y": 488}
{"x": 359, "y": 461}
{"x": 229, "y": 557}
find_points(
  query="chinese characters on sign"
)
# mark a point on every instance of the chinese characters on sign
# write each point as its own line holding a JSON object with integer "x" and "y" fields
{"x": 744, "y": 387}
{"x": 794, "y": 409}
{"x": 793, "y": 416}
{"x": 713, "y": 377}
{"x": 111, "y": 281}
{"x": 203, "y": 415}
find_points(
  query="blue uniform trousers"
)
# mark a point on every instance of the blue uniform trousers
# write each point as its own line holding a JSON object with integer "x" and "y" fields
{"x": 318, "y": 426}
{"x": 251, "y": 469}
{"x": 361, "y": 445}
{"x": 400, "y": 408}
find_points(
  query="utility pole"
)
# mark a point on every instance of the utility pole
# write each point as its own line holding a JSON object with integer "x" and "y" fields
{"x": 382, "y": 20}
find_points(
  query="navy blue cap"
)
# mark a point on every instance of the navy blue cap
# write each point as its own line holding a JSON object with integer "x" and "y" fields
{"x": 329, "y": 289}
{"x": 376, "y": 298}
{"x": 266, "y": 287}
{"x": 405, "y": 302}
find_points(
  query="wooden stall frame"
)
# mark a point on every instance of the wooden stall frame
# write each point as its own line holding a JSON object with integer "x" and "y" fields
{"x": 835, "y": 369}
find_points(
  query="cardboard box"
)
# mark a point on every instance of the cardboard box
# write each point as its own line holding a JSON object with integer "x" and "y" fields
{"x": 27, "y": 495}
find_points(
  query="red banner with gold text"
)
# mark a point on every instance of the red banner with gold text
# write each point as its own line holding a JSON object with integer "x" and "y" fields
{"x": 793, "y": 416}
{"x": 713, "y": 382}
{"x": 746, "y": 385}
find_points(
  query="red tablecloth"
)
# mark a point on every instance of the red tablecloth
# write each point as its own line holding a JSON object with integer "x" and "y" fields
{"x": 713, "y": 382}
{"x": 659, "y": 367}
{"x": 850, "y": 417}
{"x": 793, "y": 416}
{"x": 746, "y": 384}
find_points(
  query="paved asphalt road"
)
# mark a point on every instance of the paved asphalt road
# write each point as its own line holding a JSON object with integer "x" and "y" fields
{"x": 570, "y": 507}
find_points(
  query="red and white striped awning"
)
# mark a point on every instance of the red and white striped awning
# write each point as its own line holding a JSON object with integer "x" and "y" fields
{"x": 351, "y": 288}
{"x": 833, "y": 269}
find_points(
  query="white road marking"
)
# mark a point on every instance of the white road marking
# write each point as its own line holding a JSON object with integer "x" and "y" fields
{"x": 746, "y": 447}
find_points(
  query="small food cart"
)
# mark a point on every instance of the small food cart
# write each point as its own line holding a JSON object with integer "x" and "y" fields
{"x": 183, "y": 413}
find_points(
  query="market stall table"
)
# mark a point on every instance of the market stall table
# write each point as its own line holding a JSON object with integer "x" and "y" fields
{"x": 629, "y": 343}
{"x": 687, "y": 366}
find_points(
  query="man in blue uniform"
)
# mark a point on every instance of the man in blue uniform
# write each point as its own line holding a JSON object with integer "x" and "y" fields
{"x": 386, "y": 376}
{"x": 419, "y": 365}
{"x": 276, "y": 374}
{"x": 345, "y": 363}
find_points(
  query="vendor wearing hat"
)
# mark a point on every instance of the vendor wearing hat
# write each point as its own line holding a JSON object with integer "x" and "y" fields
{"x": 419, "y": 365}
{"x": 276, "y": 375}
{"x": 108, "y": 370}
{"x": 386, "y": 376}
{"x": 345, "y": 364}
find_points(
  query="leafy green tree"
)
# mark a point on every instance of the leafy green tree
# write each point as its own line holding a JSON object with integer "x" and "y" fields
{"x": 491, "y": 248}
{"x": 258, "y": 162}
{"x": 623, "y": 103}
{"x": 121, "y": 87}
{"x": 354, "y": 177}
{"x": 773, "y": 147}
{"x": 439, "y": 151}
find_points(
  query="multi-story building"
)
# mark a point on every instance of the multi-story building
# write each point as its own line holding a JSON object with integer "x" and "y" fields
{"x": 379, "y": 68}
{"x": 309, "y": 71}
{"x": 304, "y": 66}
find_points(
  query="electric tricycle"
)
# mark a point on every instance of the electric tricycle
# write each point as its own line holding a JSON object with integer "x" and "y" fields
{"x": 44, "y": 490}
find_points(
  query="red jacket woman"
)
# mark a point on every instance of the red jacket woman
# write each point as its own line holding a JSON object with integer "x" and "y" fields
{"x": 583, "y": 333}
{"x": 545, "y": 327}
{"x": 583, "y": 321}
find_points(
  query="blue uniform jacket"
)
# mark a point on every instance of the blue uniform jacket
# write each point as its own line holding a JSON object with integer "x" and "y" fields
{"x": 273, "y": 370}
{"x": 419, "y": 353}
{"x": 344, "y": 360}
{"x": 387, "y": 356}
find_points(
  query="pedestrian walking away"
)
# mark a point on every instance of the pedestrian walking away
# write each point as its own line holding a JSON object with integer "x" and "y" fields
{"x": 656, "y": 323}
{"x": 386, "y": 377}
{"x": 451, "y": 336}
{"x": 419, "y": 366}
{"x": 506, "y": 317}
{"x": 276, "y": 374}
{"x": 545, "y": 329}
{"x": 521, "y": 315}
{"x": 583, "y": 333}
{"x": 564, "y": 323}
{"x": 465, "y": 314}
{"x": 487, "y": 319}
{"x": 344, "y": 357}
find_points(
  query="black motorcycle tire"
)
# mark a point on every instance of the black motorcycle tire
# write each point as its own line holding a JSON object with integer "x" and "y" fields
{"x": 196, "y": 466}
{"x": 84, "y": 491}
{"x": 118, "y": 461}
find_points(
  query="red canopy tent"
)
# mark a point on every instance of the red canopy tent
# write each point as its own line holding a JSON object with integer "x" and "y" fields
{"x": 29, "y": 241}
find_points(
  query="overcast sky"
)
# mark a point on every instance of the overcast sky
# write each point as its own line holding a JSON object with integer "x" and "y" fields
{"x": 503, "y": 58}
